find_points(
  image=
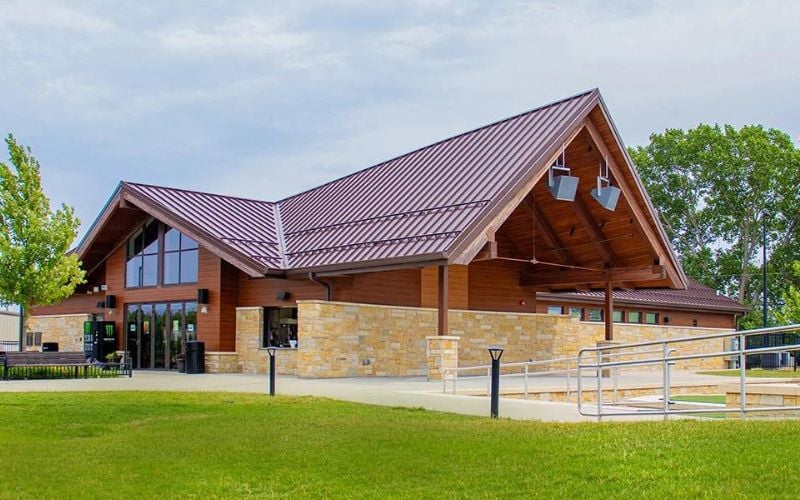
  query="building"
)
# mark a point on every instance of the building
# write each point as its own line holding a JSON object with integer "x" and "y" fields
{"x": 405, "y": 268}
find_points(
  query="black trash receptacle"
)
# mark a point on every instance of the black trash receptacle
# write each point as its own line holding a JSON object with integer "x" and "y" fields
{"x": 49, "y": 346}
{"x": 195, "y": 357}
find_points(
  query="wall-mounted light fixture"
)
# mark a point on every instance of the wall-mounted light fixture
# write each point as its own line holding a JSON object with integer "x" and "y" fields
{"x": 607, "y": 196}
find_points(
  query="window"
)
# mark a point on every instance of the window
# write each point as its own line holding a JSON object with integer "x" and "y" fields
{"x": 555, "y": 310}
{"x": 634, "y": 317}
{"x": 617, "y": 316}
{"x": 651, "y": 318}
{"x": 33, "y": 339}
{"x": 180, "y": 257}
{"x": 576, "y": 312}
{"x": 141, "y": 267}
{"x": 595, "y": 315}
{"x": 280, "y": 327}
{"x": 147, "y": 256}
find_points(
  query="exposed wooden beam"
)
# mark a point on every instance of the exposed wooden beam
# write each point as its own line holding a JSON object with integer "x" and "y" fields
{"x": 595, "y": 233}
{"x": 489, "y": 251}
{"x": 639, "y": 216}
{"x": 577, "y": 277}
{"x": 547, "y": 232}
{"x": 443, "y": 293}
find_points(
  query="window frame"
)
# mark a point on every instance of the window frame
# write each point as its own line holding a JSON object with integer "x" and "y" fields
{"x": 580, "y": 311}
{"x": 655, "y": 318}
{"x": 551, "y": 310}
{"x": 638, "y": 321}
{"x": 160, "y": 255}
{"x": 621, "y": 313}
{"x": 267, "y": 324}
{"x": 599, "y": 310}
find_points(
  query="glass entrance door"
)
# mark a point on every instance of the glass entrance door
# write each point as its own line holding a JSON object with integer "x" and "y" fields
{"x": 156, "y": 333}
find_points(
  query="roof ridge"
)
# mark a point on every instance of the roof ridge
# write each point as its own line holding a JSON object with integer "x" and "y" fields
{"x": 219, "y": 195}
{"x": 280, "y": 235}
{"x": 446, "y": 139}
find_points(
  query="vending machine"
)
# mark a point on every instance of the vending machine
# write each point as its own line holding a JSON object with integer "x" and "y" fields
{"x": 99, "y": 339}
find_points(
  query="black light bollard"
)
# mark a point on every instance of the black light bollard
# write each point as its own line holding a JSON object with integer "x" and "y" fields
{"x": 496, "y": 353}
{"x": 271, "y": 351}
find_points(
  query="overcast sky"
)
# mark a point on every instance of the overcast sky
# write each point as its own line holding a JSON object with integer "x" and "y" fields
{"x": 264, "y": 99}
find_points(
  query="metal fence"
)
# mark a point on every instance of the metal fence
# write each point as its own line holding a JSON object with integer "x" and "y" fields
{"x": 9, "y": 345}
{"x": 597, "y": 361}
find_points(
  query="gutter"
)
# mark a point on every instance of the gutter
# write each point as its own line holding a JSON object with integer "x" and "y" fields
{"x": 328, "y": 287}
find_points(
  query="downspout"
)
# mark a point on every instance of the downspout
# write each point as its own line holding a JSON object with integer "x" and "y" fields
{"x": 328, "y": 287}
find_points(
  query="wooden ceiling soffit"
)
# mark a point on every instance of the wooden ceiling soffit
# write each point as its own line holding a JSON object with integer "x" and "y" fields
{"x": 503, "y": 211}
{"x": 640, "y": 219}
{"x": 547, "y": 232}
{"x": 598, "y": 239}
{"x": 579, "y": 277}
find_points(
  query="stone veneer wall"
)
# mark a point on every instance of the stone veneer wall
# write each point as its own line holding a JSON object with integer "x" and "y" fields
{"x": 338, "y": 339}
{"x": 66, "y": 329}
{"x": 251, "y": 358}
{"x": 222, "y": 362}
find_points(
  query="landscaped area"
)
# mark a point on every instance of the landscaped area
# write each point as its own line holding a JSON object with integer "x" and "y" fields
{"x": 139, "y": 444}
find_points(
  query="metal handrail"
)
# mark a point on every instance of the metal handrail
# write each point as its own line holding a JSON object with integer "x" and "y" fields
{"x": 600, "y": 355}
{"x": 526, "y": 373}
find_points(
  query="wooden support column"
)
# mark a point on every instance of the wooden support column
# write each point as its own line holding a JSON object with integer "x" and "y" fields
{"x": 443, "y": 293}
{"x": 609, "y": 312}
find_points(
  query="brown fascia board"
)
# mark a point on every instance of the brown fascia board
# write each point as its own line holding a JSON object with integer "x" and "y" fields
{"x": 677, "y": 269}
{"x": 556, "y": 297}
{"x": 162, "y": 213}
{"x": 533, "y": 170}
{"x": 371, "y": 266}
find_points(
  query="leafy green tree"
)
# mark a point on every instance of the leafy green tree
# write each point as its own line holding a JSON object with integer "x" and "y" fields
{"x": 35, "y": 267}
{"x": 789, "y": 312}
{"x": 714, "y": 187}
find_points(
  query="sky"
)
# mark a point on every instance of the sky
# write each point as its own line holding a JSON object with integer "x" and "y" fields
{"x": 265, "y": 99}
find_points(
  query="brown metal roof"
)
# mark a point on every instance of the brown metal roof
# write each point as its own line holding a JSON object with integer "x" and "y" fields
{"x": 417, "y": 207}
{"x": 695, "y": 296}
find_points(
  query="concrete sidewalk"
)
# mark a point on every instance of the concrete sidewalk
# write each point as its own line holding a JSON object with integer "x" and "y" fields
{"x": 403, "y": 392}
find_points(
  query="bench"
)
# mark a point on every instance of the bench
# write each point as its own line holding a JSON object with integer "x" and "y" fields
{"x": 31, "y": 362}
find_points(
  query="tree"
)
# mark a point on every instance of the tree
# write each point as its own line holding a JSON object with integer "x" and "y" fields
{"x": 789, "y": 312}
{"x": 714, "y": 188}
{"x": 35, "y": 268}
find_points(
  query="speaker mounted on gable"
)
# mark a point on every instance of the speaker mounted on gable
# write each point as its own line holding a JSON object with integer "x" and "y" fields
{"x": 202, "y": 295}
{"x": 283, "y": 295}
{"x": 111, "y": 301}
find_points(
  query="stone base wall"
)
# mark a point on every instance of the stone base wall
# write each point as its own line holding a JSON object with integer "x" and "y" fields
{"x": 250, "y": 356}
{"x": 338, "y": 339}
{"x": 67, "y": 330}
{"x": 222, "y": 362}
{"x": 442, "y": 355}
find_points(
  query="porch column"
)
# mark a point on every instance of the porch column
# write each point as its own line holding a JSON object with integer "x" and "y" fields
{"x": 609, "y": 311}
{"x": 442, "y": 330}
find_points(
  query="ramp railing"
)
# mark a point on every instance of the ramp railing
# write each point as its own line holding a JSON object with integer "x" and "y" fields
{"x": 599, "y": 361}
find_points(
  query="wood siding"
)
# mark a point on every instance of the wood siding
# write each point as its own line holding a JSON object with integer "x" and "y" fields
{"x": 494, "y": 286}
{"x": 457, "y": 287}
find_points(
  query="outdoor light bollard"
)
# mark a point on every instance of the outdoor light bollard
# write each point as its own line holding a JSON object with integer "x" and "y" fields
{"x": 271, "y": 351}
{"x": 496, "y": 353}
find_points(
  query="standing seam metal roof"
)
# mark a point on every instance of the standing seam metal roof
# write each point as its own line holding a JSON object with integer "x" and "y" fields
{"x": 414, "y": 205}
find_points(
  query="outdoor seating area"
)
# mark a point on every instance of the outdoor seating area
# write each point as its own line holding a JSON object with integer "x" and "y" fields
{"x": 57, "y": 365}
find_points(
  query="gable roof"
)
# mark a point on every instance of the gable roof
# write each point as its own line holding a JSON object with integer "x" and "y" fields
{"x": 696, "y": 296}
{"x": 422, "y": 207}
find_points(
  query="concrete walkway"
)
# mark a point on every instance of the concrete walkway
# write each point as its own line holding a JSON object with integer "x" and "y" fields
{"x": 404, "y": 392}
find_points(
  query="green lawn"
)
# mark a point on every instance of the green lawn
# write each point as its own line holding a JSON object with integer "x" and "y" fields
{"x": 137, "y": 445}
{"x": 701, "y": 398}
{"x": 756, "y": 372}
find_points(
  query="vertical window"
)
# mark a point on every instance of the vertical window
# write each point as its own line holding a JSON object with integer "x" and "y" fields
{"x": 555, "y": 310}
{"x": 634, "y": 317}
{"x": 617, "y": 316}
{"x": 595, "y": 315}
{"x": 651, "y": 318}
{"x": 180, "y": 257}
{"x": 576, "y": 312}
{"x": 141, "y": 267}
{"x": 280, "y": 327}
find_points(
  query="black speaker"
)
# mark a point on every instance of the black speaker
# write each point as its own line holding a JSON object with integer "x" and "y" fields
{"x": 202, "y": 295}
{"x": 666, "y": 319}
{"x": 101, "y": 305}
{"x": 283, "y": 295}
{"x": 111, "y": 301}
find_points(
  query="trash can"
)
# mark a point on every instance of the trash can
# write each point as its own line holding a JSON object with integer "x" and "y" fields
{"x": 195, "y": 357}
{"x": 49, "y": 346}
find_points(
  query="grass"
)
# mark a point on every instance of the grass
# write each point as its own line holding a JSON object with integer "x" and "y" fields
{"x": 137, "y": 444}
{"x": 756, "y": 372}
{"x": 700, "y": 398}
